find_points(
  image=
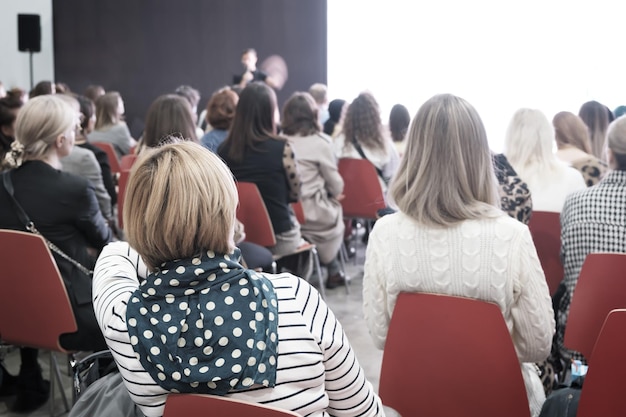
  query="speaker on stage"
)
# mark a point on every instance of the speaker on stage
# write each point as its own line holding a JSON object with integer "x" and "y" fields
{"x": 29, "y": 32}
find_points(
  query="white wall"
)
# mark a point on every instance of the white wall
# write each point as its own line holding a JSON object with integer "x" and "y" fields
{"x": 14, "y": 65}
{"x": 551, "y": 55}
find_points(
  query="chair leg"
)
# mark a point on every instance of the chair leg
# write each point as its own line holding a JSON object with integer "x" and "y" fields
{"x": 55, "y": 379}
{"x": 318, "y": 269}
{"x": 274, "y": 267}
{"x": 342, "y": 260}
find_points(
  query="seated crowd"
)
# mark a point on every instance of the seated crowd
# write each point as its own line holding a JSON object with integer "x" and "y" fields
{"x": 187, "y": 305}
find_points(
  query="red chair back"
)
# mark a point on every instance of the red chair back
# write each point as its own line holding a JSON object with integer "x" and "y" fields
{"x": 34, "y": 306}
{"x": 602, "y": 393}
{"x": 455, "y": 354}
{"x": 253, "y": 214}
{"x": 114, "y": 162}
{"x": 299, "y": 211}
{"x": 601, "y": 287}
{"x": 198, "y": 405}
{"x": 122, "y": 182}
{"x": 545, "y": 228}
{"x": 362, "y": 190}
{"x": 127, "y": 162}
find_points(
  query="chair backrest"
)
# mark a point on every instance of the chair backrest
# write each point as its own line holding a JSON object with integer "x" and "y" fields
{"x": 450, "y": 356}
{"x": 114, "y": 162}
{"x": 602, "y": 393}
{"x": 362, "y": 190}
{"x": 197, "y": 405}
{"x": 254, "y": 216}
{"x": 601, "y": 287}
{"x": 34, "y": 306}
{"x": 545, "y": 228}
{"x": 127, "y": 161}
{"x": 298, "y": 210}
{"x": 121, "y": 196}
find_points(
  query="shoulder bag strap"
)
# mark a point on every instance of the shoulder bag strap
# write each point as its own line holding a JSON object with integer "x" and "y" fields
{"x": 360, "y": 151}
{"x": 30, "y": 226}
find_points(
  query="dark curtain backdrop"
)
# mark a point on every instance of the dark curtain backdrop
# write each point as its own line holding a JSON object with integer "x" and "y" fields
{"x": 144, "y": 48}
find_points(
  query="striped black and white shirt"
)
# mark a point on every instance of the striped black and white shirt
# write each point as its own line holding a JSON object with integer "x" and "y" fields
{"x": 317, "y": 371}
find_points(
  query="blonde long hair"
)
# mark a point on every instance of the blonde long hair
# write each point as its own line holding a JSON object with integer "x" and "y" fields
{"x": 446, "y": 174}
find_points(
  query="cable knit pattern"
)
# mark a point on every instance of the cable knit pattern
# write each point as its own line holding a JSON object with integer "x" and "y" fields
{"x": 489, "y": 259}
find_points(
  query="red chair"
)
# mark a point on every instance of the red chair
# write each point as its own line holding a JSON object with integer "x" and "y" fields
{"x": 362, "y": 190}
{"x": 450, "y": 356}
{"x": 114, "y": 162}
{"x": 35, "y": 309}
{"x": 545, "y": 228}
{"x": 198, "y": 405}
{"x": 601, "y": 287}
{"x": 127, "y": 161}
{"x": 602, "y": 393}
{"x": 258, "y": 226}
{"x": 121, "y": 196}
{"x": 298, "y": 210}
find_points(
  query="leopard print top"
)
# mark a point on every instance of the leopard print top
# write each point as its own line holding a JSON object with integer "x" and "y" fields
{"x": 592, "y": 169}
{"x": 515, "y": 199}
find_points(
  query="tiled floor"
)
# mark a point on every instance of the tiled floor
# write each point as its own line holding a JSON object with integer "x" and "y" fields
{"x": 347, "y": 308}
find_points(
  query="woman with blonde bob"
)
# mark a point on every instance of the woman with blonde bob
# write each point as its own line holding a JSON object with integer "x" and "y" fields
{"x": 528, "y": 147}
{"x": 574, "y": 147}
{"x": 181, "y": 314}
{"x": 449, "y": 237}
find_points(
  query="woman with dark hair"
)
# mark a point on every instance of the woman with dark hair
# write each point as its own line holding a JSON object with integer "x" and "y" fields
{"x": 220, "y": 112}
{"x": 168, "y": 116}
{"x": 332, "y": 126}
{"x": 110, "y": 126}
{"x": 596, "y": 117}
{"x": 42, "y": 88}
{"x": 255, "y": 153}
{"x": 322, "y": 186}
{"x": 399, "y": 120}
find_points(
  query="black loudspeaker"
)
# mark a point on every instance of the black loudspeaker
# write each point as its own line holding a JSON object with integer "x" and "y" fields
{"x": 28, "y": 32}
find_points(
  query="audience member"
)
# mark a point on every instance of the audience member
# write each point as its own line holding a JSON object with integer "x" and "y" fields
{"x": 193, "y": 97}
{"x": 446, "y": 193}
{"x": 336, "y": 112}
{"x": 9, "y": 107}
{"x": 322, "y": 186}
{"x": 363, "y": 137}
{"x": 87, "y": 123}
{"x": 250, "y": 72}
{"x": 83, "y": 163}
{"x": 199, "y": 296}
{"x": 574, "y": 148}
{"x": 528, "y": 147}
{"x": 18, "y": 94}
{"x": 515, "y": 197}
{"x": 254, "y": 153}
{"x": 64, "y": 209}
{"x": 220, "y": 114}
{"x": 110, "y": 126}
{"x": 593, "y": 220}
{"x": 92, "y": 92}
{"x": 62, "y": 88}
{"x": 619, "y": 111}
{"x": 596, "y": 117}
{"x": 319, "y": 92}
{"x": 43, "y": 88}
{"x": 169, "y": 115}
{"x": 399, "y": 120}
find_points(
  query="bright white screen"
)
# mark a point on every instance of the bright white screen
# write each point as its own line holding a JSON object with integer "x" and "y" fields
{"x": 552, "y": 55}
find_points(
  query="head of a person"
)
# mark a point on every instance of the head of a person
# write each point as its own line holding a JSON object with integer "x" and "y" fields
{"x": 254, "y": 122}
{"x": 249, "y": 59}
{"x": 300, "y": 115}
{"x": 596, "y": 117}
{"x": 336, "y": 109}
{"x": 319, "y": 92}
{"x": 43, "y": 88}
{"x": 570, "y": 130}
{"x": 399, "y": 120}
{"x": 616, "y": 143}
{"x": 88, "y": 114}
{"x": 446, "y": 174}
{"x": 221, "y": 108}
{"x": 619, "y": 111}
{"x": 45, "y": 123}
{"x": 529, "y": 139}
{"x": 94, "y": 91}
{"x": 109, "y": 109}
{"x": 62, "y": 88}
{"x": 9, "y": 107}
{"x": 191, "y": 95}
{"x": 362, "y": 122}
{"x": 182, "y": 187}
{"x": 18, "y": 94}
{"x": 169, "y": 115}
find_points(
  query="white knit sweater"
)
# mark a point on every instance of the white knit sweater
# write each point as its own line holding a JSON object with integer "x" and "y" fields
{"x": 317, "y": 371}
{"x": 489, "y": 259}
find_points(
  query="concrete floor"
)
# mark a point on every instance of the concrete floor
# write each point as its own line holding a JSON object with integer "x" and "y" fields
{"x": 347, "y": 308}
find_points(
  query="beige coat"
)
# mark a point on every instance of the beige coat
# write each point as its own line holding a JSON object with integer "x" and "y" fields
{"x": 321, "y": 183}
